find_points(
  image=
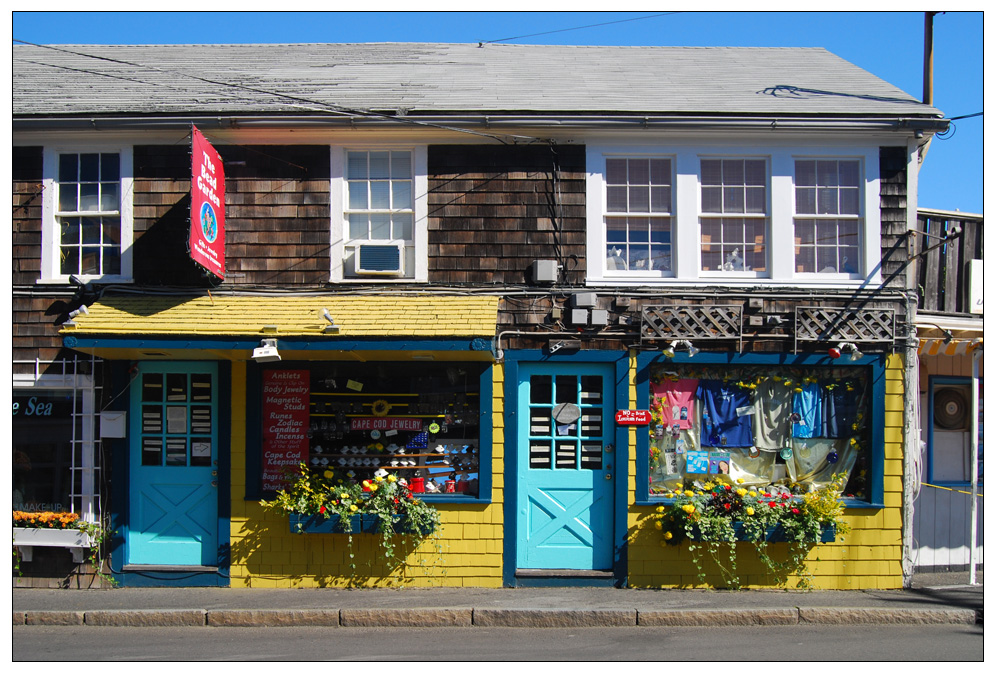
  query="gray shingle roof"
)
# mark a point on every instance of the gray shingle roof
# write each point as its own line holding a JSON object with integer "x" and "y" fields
{"x": 446, "y": 78}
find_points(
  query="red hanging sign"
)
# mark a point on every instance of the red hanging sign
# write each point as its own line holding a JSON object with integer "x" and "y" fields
{"x": 286, "y": 401}
{"x": 207, "y": 206}
{"x": 633, "y": 417}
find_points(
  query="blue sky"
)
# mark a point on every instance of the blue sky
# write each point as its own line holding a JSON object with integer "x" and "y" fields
{"x": 888, "y": 44}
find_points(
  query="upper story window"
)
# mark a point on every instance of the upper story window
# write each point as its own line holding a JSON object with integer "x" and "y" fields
{"x": 827, "y": 216}
{"x": 638, "y": 214}
{"x": 87, "y": 220}
{"x": 694, "y": 213}
{"x": 380, "y": 194}
{"x": 734, "y": 219}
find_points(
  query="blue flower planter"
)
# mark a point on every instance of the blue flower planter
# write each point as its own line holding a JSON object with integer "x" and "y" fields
{"x": 361, "y": 524}
{"x": 828, "y": 534}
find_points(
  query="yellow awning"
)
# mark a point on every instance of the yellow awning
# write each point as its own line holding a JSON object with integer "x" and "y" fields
{"x": 948, "y": 347}
{"x": 423, "y": 317}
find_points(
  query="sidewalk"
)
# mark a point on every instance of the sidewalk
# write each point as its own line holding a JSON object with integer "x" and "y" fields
{"x": 941, "y": 602}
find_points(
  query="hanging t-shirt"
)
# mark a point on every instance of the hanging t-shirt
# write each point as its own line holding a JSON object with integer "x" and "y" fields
{"x": 677, "y": 400}
{"x": 772, "y": 414}
{"x": 840, "y": 411}
{"x": 722, "y": 426}
{"x": 806, "y": 403}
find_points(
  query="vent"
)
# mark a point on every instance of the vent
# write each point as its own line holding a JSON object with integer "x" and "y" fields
{"x": 386, "y": 259}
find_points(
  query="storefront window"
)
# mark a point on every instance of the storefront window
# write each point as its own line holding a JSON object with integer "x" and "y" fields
{"x": 42, "y": 451}
{"x": 764, "y": 425}
{"x": 417, "y": 420}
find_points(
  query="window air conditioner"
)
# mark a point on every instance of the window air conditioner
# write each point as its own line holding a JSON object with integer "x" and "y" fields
{"x": 387, "y": 259}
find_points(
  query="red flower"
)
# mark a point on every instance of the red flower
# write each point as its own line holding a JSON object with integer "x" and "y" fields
{"x": 321, "y": 510}
{"x": 728, "y": 487}
{"x": 785, "y": 497}
{"x": 795, "y": 511}
{"x": 726, "y": 505}
{"x": 771, "y": 504}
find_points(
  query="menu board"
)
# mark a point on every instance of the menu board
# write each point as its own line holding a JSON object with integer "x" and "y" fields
{"x": 286, "y": 399}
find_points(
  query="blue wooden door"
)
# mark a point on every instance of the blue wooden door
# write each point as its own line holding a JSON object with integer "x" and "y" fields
{"x": 566, "y": 475}
{"x": 173, "y": 517}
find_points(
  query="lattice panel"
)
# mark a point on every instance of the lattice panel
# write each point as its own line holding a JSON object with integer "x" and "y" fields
{"x": 820, "y": 324}
{"x": 705, "y": 321}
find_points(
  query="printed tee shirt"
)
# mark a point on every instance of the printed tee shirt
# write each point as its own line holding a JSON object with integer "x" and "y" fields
{"x": 772, "y": 415}
{"x": 677, "y": 399}
{"x": 807, "y": 404}
{"x": 721, "y": 425}
{"x": 840, "y": 411}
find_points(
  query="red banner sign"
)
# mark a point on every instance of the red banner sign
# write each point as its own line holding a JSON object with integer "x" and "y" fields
{"x": 207, "y": 206}
{"x": 633, "y": 417}
{"x": 286, "y": 399}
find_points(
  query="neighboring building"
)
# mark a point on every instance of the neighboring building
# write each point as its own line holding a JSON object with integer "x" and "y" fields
{"x": 948, "y": 273}
{"x": 506, "y": 240}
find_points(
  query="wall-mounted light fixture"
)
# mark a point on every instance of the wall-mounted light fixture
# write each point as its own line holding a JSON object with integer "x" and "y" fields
{"x": 74, "y": 313}
{"x": 845, "y": 347}
{"x": 266, "y": 352}
{"x": 672, "y": 348}
{"x": 331, "y": 328}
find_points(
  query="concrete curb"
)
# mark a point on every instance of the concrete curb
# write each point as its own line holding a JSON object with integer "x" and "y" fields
{"x": 491, "y": 617}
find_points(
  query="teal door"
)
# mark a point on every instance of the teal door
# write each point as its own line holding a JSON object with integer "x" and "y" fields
{"x": 566, "y": 476}
{"x": 173, "y": 501}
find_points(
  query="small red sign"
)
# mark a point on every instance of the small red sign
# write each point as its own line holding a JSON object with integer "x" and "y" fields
{"x": 207, "y": 206}
{"x": 633, "y": 417}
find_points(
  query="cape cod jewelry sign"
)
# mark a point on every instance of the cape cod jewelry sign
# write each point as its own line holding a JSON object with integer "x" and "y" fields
{"x": 207, "y": 206}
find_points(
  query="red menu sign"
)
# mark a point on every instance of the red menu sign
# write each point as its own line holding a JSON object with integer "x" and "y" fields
{"x": 207, "y": 206}
{"x": 633, "y": 417}
{"x": 286, "y": 398}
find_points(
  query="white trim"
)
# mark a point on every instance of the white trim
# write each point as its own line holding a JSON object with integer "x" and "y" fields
{"x": 50, "y": 271}
{"x": 419, "y": 270}
{"x": 686, "y": 217}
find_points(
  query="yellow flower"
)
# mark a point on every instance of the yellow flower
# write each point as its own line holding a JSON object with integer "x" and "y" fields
{"x": 740, "y": 480}
{"x": 660, "y": 509}
{"x": 750, "y": 511}
{"x": 658, "y": 525}
{"x": 689, "y": 492}
{"x": 374, "y": 487}
{"x": 752, "y": 493}
{"x": 353, "y": 508}
{"x": 688, "y": 508}
{"x": 344, "y": 495}
{"x": 379, "y": 478}
{"x": 668, "y": 535}
{"x": 328, "y": 474}
{"x": 741, "y": 492}
{"x": 708, "y": 486}
{"x": 392, "y": 478}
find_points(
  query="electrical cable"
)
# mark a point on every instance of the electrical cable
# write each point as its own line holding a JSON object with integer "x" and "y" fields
{"x": 565, "y": 30}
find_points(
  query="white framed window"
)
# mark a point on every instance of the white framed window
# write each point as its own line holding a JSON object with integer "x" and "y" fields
{"x": 733, "y": 216}
{"x": 379, "y": 230}
{"x": 828, "y": 220}
{"x": 737, "y": 214}
{"x": 638, "y": 221}
{"x": 87, "y": 216}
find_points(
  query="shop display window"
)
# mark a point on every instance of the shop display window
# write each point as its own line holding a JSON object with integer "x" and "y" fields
{"x": 43, "y": 450}
{"x": 790, "y": 426}
{"x": 417, "y": 420}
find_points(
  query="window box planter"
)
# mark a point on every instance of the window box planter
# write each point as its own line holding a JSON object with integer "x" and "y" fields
{"x": 828, "y": 534}
{"x": 362, "y": 524}
{"x": 26, "y": 538}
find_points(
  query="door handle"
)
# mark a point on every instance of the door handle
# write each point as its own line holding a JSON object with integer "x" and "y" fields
{"x": 214, "y": 483}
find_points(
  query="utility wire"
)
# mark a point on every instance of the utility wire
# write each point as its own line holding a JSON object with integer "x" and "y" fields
{"x": 974, "y": 114}
{"x": 308, "y": 103}
{"x": 564, "y": 30}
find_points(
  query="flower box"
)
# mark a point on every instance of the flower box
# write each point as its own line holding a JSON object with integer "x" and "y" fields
{"x": 362, "y": 524}
{"x": 53, "y": 538}
{"x": 776, "y": 534}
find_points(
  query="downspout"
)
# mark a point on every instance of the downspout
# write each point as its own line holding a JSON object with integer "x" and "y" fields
{"x": 974, "y": 507}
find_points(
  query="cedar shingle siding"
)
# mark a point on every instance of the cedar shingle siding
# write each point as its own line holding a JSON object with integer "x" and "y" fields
{"x": 493, "y": 210}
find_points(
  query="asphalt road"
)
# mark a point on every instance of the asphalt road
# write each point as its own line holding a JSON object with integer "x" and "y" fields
{"x": 952, "y": 643}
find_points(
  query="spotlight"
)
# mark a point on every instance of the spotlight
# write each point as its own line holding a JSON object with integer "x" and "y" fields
{"x": 266, "y": 352}
{"x": 331, "y": 328}
{"x": 668, "y": 351}
{"x": 846, "y": 347}
{"x": 82, "y": 310}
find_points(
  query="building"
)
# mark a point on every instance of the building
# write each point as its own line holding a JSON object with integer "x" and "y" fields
{"x": 948, "y": 272}
{"x": 486, "y": 251}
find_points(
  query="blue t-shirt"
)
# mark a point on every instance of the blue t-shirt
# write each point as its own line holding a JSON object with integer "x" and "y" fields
{"x": 806, "y": 404}
{"x": 721, "y": 425}
{"x": 840, "y": 411}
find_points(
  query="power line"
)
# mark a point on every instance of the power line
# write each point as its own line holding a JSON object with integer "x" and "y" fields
{"x": 564, "y": 30}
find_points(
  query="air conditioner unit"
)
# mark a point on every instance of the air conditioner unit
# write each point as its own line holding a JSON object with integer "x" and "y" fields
{"x": 386, "y": 259}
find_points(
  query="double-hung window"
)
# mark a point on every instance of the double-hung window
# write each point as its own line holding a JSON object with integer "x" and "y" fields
{"x": 699, "y": 212}
{"x": 734, "y": 215}
{"x": 827, "y": 216}
{"x": 381, "y": 234}
{"x": 87, "y": 214}
{"x": 638, "y": 223}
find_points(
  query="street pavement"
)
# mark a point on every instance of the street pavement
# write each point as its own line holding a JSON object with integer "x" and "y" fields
{"x": 932, "y": 599}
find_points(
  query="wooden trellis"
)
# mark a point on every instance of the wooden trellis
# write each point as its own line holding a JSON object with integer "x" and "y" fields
{"x": 703, "y": 321}
{"x": 861, "y": 326}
